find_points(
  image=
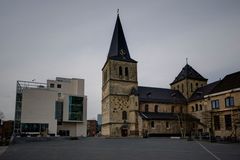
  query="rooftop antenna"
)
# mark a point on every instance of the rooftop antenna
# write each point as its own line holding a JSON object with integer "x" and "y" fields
{"x": 186, "y": 60}
{"x": 118, "y": 11}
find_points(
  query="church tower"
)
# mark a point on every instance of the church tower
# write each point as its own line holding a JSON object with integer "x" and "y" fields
{"x": 119, "y": 78}
{"x": 188, "y": 80}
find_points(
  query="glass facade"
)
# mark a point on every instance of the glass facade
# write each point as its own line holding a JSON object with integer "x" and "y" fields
{"x": 75, "y": 108}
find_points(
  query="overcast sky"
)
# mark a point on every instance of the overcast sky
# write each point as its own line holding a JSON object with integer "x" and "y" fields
{"x": 46, "y": 39}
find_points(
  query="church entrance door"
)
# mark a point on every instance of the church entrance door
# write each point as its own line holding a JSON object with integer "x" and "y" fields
{"x": 124, "y": 132}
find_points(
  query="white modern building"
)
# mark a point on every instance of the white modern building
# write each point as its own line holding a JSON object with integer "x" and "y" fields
{"x": 58, "y": 107}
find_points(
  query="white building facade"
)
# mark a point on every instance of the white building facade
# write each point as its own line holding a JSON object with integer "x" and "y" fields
{"x": 58, "y": 107}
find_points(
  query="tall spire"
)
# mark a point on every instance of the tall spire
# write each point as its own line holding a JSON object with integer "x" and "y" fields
{"x": 118, "y": 48}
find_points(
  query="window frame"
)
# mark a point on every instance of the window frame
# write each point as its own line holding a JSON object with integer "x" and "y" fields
{"x": 228, "y": 124}
{"x": 124, "y": 115}
{"x": 215, "y": 104}
{"x": 156, "y": 108}
{"x": 229, "y": 102}
{"x": 146, "y": 108}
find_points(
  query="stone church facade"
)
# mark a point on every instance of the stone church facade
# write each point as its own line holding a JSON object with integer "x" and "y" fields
{"x": 132, "y": 110}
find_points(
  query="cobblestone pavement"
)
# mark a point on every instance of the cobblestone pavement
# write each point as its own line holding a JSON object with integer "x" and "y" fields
{"x": 120, "y": 149}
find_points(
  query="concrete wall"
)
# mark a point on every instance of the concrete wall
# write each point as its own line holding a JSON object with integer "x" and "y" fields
{"x": 38, "y": 106}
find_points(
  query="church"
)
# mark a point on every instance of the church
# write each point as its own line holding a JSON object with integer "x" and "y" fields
{"x": 189, "y": 107}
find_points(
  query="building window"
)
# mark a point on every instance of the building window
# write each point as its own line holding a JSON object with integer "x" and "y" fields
{"x": 152, "y": 124}
{"x": 178, "y": 87}
{"x": 196, "y": 107}
{"x": 34, "y": 127}
{"x": 200, "y": 107}
{"x": 126, "y": 71}
{"x": 182, "y": 88}
{"x": 136, "y": 103}
{"x": 146, "y": 108}
{"x": 172, "y": 109}
{"x": 191, "y": 88}
{"x": 181, "y": 109}
{"x": 156, "y": 108}
{"x": 59, "y": 111}
{"x": 215, "y": 104}
{"x": 75, "y": 108}
{"x": 124, "y": 115}
{"x": 228, "y": 122}
{"x": 216, "y": 121}
{"x": 197, "y": 85}
{"x": 59, "y": 86}
{"x": 51, "y": 85}
{"x": 229, "y": 102}
{"x": 167, "y": 125}
{"x": 120, "y": 71}
{"x": 192, "y": 109}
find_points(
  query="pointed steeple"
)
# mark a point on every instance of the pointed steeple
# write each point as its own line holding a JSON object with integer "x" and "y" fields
{"x": 118, "y": 48}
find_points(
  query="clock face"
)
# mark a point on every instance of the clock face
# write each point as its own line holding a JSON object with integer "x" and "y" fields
{"x": 122, "y": 52}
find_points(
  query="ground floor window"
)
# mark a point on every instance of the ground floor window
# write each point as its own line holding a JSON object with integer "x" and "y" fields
{"x": 216, "y": 122}
{"x": 34, "y": 127}
{"x": 63, "y": 132}
{"x": 152, "y": 124}
{"x": 167, "y": 125}
{"x": 228, "y": 122}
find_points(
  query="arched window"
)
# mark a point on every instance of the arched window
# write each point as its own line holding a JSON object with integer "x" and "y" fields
{"x": 167, "y": 125}
{"x": 146, "y": 108}
{"x": 156, "y": 108}
{"x": 197, "y": 85}
{"x": 196, "y": 105}
{"x": 181, "y": 109}
{"x": 124, "y": 115}
{"x": 126, "y": 71}
{"x": 200, "y": 107}
{"x": 182, "y": 88}
{"x": 172, "y": 109}
{"x": 191, "y": 88}
{"x": 152, "y": 124}
{"x": 192, "y": 109}
{"x": 120, "y": 71}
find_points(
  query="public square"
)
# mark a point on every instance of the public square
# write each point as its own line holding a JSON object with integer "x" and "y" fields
{"x": 122, "y": 148}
